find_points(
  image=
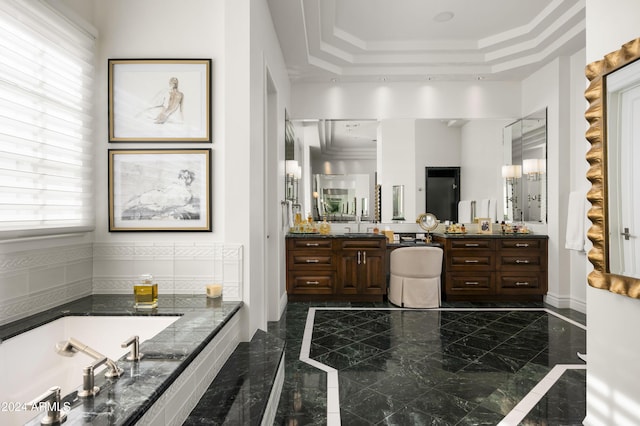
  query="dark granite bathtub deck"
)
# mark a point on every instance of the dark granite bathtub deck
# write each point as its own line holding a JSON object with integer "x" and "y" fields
{"x": 167, "y": 355}
{"x": 240, "y": 392}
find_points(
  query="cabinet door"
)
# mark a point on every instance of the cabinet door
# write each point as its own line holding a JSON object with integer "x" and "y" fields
{"x": 348, "y": 271}
{"x": 362, "y": 272}
{"x": 372, "y": 277}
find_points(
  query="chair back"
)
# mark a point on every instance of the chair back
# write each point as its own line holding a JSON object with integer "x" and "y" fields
{"x": 416, "y": 262}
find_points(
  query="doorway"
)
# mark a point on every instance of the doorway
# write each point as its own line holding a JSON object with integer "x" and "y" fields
{"x": 442, "y": 192}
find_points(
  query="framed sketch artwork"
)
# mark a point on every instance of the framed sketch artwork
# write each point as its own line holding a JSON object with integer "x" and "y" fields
{"x": 159, "y": 100}
{"x": 484, "y": 225}
{"x": 159, "y": 189}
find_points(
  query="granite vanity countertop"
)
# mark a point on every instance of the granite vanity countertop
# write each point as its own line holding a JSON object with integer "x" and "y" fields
{"x": 358, "y": 235}
{"x": 477, "y": 235}
{"x": 124, "y": 400}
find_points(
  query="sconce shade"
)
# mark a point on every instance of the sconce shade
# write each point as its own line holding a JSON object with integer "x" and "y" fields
{"x": 511, "y": 171}
{"x": 297, "y": 172}
{"x": 533, "y": 166}
{"x": 291, "y": 167}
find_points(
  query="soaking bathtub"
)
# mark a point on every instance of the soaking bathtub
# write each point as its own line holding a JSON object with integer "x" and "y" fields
{"x": 180, "y": 361}
{"x": 30, "y": 365}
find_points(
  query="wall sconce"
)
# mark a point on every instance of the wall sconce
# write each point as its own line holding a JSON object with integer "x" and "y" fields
{"x": 511, "y": 173}
{"x": 293, "y": 174}
{"x": 291, "y": 167}
{"x": 534, "y": 167}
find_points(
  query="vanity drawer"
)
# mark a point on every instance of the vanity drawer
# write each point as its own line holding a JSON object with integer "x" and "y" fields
{"x": 308, "y": 243}
{"x": 310, "y": 259}
{"x": 365, "y": 243}
{"x": 311, "y": 282}
{"x": 521, "y": 244}
{"x": 521, "y": 283}
{"x": 470, "y": 283}
{"x": 468, "y": 244}
{"x": 471, "y": 261}
{"x": 519, "y": 262}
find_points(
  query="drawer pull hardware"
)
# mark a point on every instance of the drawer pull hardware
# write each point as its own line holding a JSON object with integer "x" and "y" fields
{"x": 359, "y": 257}
{"x": 364, "y": 257}
{"x": 471, "y": 261}
{"x": 313, "y": 244}
{"x": 472, "y": 283}
{"x": 472, "y": 245}
{"x": 312, "y": 261}
{"x": 522, "y": 261}
{"x": 522, "y": 245}
{"x": 313, "y": 282}
{"x": 522, "y": 283}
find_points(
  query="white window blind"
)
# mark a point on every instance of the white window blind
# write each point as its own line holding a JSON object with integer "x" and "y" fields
{"x": 46, "y": 85}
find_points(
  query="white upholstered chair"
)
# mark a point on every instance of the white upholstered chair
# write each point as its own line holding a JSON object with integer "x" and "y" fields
{"x": 415, "y": 277}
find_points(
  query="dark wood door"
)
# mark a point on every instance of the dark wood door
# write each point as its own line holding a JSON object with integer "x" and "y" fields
{"x": 442, "y": 192}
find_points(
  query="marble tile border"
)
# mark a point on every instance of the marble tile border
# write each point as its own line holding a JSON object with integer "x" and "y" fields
{"x": 515, "y": 416}
{"x": 520, "y": 411}
{"x": 274, "y": 397}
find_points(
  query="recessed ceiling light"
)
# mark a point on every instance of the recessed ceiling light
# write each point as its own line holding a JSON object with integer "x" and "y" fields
{"x": 383, "y": 78}
{"x": 333, "y": 80}
{"x": 479, "y": 78}
{"x": 444, "y": 16}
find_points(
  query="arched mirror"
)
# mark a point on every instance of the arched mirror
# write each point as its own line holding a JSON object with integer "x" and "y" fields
{"x": 614, "y": 134}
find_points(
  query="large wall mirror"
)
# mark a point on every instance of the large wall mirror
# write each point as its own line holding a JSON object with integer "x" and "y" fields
{"x": 614, "y": 158}
{"x": 342, "y": 161}
{"x": 525, "y": 190}
{"x": 374, "y": 169}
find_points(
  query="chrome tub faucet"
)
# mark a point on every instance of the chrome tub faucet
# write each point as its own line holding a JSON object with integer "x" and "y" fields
{"x": 72, "y": 346}
{"x": 52, "y": 400}
{"x": 134, "y": 343}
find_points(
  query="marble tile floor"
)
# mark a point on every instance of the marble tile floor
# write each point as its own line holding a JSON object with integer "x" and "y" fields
{"x": 464, "y": 364}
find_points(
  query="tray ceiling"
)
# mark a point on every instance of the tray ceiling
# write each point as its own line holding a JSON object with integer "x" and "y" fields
{"x": 408, "y": 40}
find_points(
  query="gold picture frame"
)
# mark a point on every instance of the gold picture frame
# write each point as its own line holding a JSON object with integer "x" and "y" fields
{"x": 484, "y": 225}
{"x": 596, "y": 115}
{"x": 159, "y": 100}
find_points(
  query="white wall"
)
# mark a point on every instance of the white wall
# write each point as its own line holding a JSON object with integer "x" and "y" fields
{"x": 612, "y": 343}
{"x": 265, "y": 270}
{"x": 549, "y": 87}
{"x": 181, "y": 262}
{"x": 238, "y": 36}
{"x": 432, "y": 99}
{"x": 578, "y": 167}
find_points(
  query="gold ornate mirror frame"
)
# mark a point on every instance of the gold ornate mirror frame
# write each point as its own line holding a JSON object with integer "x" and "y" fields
{"x": 596, "y": 115}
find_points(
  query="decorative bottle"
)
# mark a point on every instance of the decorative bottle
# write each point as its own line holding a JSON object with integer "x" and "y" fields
{"x": 324, "y": 228}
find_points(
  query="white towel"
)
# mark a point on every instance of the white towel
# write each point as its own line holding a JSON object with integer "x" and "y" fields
{"x": 493, "y": 210}
{"x": 464, "y": 211}
{"x": 576, "y": 214}
{"x": 483, "y": 208}
{"x": 287, "y": 214}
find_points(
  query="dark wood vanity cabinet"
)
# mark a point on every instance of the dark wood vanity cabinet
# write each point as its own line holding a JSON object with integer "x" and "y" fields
{"x": 310, "y": 266}
{"x": 494, "y": 267}
{"x": 336, "y": 268}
